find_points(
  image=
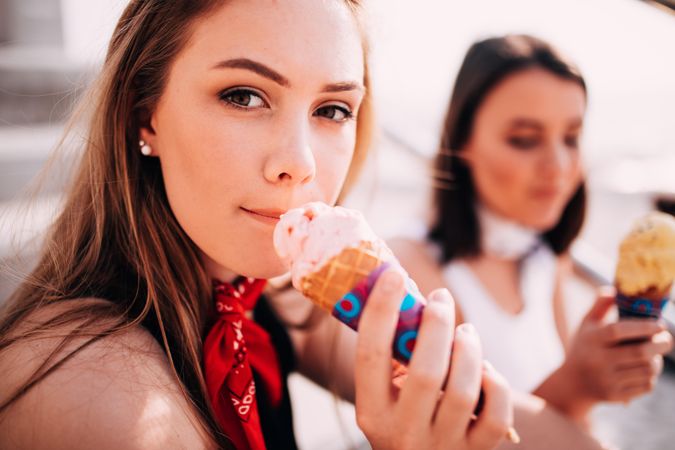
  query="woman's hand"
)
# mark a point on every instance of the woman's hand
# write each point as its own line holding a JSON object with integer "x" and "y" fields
{"x": 612, "y": 361}
{"x": 433, "y": 408}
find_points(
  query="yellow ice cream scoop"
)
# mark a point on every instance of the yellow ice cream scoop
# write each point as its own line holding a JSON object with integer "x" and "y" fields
{"x": 646, "y": 266}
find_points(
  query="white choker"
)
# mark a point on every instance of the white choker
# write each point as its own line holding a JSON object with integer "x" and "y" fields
{"x": 504, "y": 238}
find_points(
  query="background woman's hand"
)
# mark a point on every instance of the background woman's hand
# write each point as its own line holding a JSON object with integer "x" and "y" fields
{"x": 616, "y": 361}
{"x": 432, "y": 409}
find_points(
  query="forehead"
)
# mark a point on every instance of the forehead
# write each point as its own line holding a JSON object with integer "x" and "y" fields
{"x": 299, "y": 38}
{"x": 535, "y": 93}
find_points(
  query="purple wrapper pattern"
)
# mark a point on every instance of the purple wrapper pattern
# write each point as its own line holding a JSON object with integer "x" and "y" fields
{"x": 641, "y": 308}
{"x": 349, "y": 309}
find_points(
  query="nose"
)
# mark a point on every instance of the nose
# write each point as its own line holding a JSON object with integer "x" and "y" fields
{"x": 559, "y": 159}
{"x": 291, "y": 158}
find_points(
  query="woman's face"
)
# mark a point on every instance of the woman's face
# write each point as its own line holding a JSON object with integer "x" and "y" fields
{"x": 258, "y": 116}
{"x": 523, "y": 152}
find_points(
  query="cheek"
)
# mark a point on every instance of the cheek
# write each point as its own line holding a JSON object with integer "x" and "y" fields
{"x": 575, "y": 176}
{"x": 502, "y": 179}
{"x": 333, "y": 158}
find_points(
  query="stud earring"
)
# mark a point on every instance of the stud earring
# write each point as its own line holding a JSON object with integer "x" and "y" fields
{"x": 145, "y": 148}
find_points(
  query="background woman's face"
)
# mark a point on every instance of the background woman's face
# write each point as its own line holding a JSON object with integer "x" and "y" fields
{"x": 258, "y": 116}
{"x": 523, "y": 152}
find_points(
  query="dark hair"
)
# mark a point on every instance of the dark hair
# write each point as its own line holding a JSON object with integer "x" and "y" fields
{"x": 455, "y": 225}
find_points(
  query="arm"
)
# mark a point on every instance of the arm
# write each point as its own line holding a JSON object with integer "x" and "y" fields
{"x": 118, "y": 392}
{"x": 563, "y": 271}
{"x": 541, "y": 426}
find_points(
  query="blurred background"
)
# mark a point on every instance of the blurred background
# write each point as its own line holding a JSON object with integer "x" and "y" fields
{"x": 51, "y": 49}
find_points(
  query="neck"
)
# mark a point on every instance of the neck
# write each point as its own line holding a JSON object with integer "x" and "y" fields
{"x": 503, "y": 238}
{"x": 216, "y": 271}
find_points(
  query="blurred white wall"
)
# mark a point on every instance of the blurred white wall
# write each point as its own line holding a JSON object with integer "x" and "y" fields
{"x": 623, "y": 47}
{"x": 87, "y": 28}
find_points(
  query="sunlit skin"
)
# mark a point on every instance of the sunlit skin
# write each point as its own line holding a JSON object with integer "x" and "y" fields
{"x": 258, "y": 116}
{"x": 524, "y": 147}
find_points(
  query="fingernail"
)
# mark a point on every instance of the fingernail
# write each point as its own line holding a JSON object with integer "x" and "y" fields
{"x": 487, "y": 366}
{"x": 439, "y": 295}
{"x": 466, "y": 328}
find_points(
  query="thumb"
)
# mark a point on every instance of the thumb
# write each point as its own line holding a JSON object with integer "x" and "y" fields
{"x": 603, "y": 303}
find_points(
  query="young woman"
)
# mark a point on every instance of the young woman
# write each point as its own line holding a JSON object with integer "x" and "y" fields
{"x": 509, "y": 200}
{"x": 139, "y": 326}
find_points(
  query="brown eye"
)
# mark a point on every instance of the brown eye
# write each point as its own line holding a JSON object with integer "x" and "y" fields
{"x": 335, "y": 113}
{"x": 243, "y": 98}
{"x": 572, "y": 141}
{"x": 523, "y": 142}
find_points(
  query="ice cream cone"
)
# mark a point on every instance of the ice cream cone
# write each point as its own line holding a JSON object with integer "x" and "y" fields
{"x": 643, "y": 305}
{"x": 335, "y": 260}
{"x": 340, "y": 274}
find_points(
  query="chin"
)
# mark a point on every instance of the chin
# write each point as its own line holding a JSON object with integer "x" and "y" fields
{"x": 545, "y": 221}
{"x": 264, "y": 267}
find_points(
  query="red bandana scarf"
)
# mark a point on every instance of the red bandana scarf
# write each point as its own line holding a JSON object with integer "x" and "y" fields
{"x": 234, "y": 348}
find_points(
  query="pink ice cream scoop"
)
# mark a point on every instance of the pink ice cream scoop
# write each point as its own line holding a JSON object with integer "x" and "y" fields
{"x": 306, "y": 238}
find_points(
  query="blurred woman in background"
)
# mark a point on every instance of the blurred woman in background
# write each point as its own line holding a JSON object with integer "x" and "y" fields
{"x": 509, "y": 199}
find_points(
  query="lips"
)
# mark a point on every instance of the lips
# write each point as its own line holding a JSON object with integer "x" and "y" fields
{"x": 264, "y": 214}
{"x": 547, "y": 192}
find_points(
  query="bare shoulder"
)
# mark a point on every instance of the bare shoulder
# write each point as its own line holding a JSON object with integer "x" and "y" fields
{"x": 418, "y": 261}
{"x": 115, "y": 392}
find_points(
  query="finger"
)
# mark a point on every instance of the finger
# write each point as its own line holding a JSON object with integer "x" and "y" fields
{"x": 665, "y": 339}
{"x": 627, "y": 355}
{"x": 653, "y": 367}
{"x": 629, "y": 330}
{"x": 630, "y": 391}
{"x": 373, "y": 351}
{"x": 496, "y": 417}
{"x": 603, "y": 304}
{"x": 463, "y": 386}
{"x": 430, "y": 359}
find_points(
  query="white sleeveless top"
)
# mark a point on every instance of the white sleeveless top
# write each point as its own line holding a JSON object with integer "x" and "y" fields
{"x": 525, "y": 347}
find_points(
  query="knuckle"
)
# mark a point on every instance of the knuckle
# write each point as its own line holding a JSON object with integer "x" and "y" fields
{"x": 613, "y": 333}
{"x": 426, "y": 380}
{"x": 367, "y": 353}
{"x": 408, "y": 441}
{"x": 462, "y": 400}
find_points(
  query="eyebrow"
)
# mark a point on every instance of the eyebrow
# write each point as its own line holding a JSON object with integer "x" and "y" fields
{"x": 525, "y": 123}
{"x": 531, "y": 123}
{"x": 253, "y": 66}
{"x": 271, "y": 74}
{"x": 343, "y": 87}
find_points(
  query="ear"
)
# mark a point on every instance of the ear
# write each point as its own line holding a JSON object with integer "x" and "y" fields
{"x": 466, "y": 154}
{"x": 146, "y": 130}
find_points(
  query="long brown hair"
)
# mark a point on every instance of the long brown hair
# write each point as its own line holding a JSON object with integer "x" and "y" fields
{"x": 116, "y": 237}
{"x": 487, "y": 62}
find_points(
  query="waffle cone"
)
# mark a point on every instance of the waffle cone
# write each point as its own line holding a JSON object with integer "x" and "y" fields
{"x": 342, "y": 272}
